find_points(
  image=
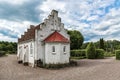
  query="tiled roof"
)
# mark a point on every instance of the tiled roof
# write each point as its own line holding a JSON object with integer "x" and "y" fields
{"x": 30, "y": 34}
{"x": 56, "y": 37}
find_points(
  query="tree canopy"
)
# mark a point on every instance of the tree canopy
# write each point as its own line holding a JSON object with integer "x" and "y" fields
{"x": 8, "y": 47}
{"x": 101, "y": 44}
{"x": 76, "y": 39}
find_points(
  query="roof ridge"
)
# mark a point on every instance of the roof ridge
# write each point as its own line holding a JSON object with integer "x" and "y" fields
{"x": 56, "y": 37}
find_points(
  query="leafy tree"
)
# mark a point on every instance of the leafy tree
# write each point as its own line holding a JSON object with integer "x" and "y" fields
{"x": 91, "y": 52}
{"x": 102, "y": 44}
{"x": 84, "y": 46}
{"x": 8, "y": 47}
{"x": 3, "y": 47}
{"x": 76, "y": 39}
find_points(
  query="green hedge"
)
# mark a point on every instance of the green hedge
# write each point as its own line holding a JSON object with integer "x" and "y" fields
{"x": 109, "y": 54}
{"x": 117, "y": 54}
{"x": 99, "y": 53}
{"x": 78, "y": 53}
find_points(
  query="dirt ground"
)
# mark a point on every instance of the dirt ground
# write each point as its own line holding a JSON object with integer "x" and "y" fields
{"x": 100, "y": 69}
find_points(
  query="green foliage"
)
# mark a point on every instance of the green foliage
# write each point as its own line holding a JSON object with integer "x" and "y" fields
{"x": 8, "y": 47}
{"x": 91, "y": 53}
{"x": 117, "y": 54}
{"x": 102, "y": 44}
{"x": 84, "y": 45}
{"x": 78, "y": 54}
{"x": 109, "y": 45}
{"x": 76, "y": 39}
{"x": 109, "y": 54}
{"x": 99, "y": 53}
{"x": 2, "y": 53}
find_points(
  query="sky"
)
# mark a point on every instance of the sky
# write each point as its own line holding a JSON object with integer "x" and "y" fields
{"x": 95, "y": 19}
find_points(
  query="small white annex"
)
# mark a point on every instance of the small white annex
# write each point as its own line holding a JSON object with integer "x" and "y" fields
{"x": 48, "y": 42}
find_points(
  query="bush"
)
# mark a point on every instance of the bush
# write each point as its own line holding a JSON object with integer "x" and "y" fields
{"x": 91, "y": 52}
{"x": 78, "y": 53}
{"x": 39, "y": 63}
{"x": 56, "y": 66}
{"x": 117, "y": 54}
{"x": 2, "y": 53}
{"x": 99, "y": 53}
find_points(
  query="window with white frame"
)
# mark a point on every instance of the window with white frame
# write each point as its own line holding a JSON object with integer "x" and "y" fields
{"x": 53, "y": 49}
{"x": 64, "y": 49}
{"x": 31, "y": 49}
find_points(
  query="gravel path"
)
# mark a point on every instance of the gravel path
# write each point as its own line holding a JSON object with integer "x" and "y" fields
{"x": 101, "y": 69}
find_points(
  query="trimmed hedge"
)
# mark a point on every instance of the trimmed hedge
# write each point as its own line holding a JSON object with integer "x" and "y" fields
{"x": 117, "y": 54}
{"x": 109, "y": 54}
{"x": 99, "y": 54}
{"x": 78, "y": 53}
{"x": 81, "y": 54}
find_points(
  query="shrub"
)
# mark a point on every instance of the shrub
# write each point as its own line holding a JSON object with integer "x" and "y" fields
{"x": 78, "y": 53}
{"x": 99, "y": 53}
{"x": 39, "y": 63}
{"x": 56, "y": 66}
{"x": 117, "y": 54}
{"x": 91, "y": 53}
{"x": 2, "y": 53}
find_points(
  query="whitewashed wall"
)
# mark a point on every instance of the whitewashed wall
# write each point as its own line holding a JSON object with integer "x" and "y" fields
{"x": 29, "y": 54}
{"x": 58, "y": 56}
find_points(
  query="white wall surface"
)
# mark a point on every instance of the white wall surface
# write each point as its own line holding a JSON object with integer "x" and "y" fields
{"x": 27, "y": 50}
{"x": 58, "y": 56}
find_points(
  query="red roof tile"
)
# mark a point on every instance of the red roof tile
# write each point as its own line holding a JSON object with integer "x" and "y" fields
{"x": 56, "y": 37}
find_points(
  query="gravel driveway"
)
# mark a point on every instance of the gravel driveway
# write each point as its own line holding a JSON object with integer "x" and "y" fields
{"x": 101, "y": 69}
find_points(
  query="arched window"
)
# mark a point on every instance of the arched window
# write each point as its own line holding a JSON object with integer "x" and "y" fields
{"x": 64, "y": 49}
{"x": 53, "y": 48}
{"x": 31, "y": 48}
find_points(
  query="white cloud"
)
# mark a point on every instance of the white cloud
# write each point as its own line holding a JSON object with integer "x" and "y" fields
{"x": 15, "y": 2}
{"x": 7, "y": 38}
{"x": 49, "y": 5}
{"x": 15, "y": 28}
{"x": 92, "y": 18}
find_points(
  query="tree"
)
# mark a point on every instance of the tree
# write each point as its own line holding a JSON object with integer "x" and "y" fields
{"x": 91, "y": 52}
{"x": 8, "y": 47}
{"x": 76, "y": 39}
{"x": 102, "y": 44}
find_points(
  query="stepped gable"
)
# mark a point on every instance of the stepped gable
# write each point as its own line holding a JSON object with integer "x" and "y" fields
{"x": 30, "y": 34}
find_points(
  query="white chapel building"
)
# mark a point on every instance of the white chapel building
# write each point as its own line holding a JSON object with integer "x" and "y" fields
{"x": 48, "y": 42}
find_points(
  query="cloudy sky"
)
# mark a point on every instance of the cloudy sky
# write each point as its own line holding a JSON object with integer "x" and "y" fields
{"x": 93, "y": 18}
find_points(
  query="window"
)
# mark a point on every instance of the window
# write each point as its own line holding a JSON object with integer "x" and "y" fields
{"x": 31, "y": 49}
{"x": 64, "y": 49}
{"x": 53, "y": 48}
